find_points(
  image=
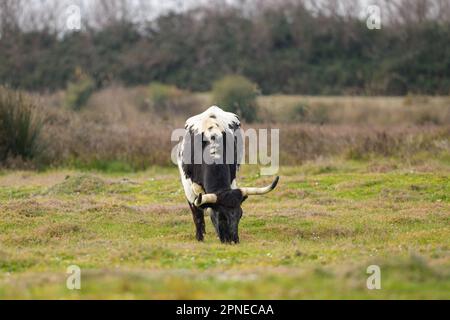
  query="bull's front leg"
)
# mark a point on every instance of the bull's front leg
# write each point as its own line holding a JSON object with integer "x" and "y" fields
{"x": 199, "y": 220}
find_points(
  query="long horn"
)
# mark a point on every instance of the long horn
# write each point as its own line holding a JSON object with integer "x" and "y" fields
{"x": 264, "y": 190}
{"x": 204, "y": 199}
{"x": 197, "y": 189}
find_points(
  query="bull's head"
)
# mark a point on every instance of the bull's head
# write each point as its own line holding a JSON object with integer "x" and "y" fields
{"x": 225, "y": 208}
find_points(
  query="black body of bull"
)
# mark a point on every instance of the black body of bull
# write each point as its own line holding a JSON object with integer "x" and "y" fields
{"x": 216, "y": 177}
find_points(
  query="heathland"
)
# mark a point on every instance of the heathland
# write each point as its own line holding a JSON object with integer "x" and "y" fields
{"x": 364, "y": 181}
{"x": 132, "y": 234}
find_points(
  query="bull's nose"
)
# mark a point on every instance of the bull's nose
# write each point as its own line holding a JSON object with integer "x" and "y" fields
{"x": 213, "y": 137}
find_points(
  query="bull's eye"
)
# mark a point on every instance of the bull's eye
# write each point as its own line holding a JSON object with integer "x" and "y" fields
{"x": 210, "y": 128}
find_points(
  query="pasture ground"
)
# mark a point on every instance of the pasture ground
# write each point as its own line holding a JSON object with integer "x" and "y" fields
{"x": 132, "y": 235}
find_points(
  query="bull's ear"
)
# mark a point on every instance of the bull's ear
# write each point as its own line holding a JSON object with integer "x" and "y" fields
{"x": 244, "y": 198}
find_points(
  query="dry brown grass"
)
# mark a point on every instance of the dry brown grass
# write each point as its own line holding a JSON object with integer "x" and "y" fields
{"x": 356, "y": 110}
{"x": 114, "y": 132}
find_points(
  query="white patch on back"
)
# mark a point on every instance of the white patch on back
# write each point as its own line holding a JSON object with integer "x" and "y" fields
{"x": 203, "y": 120}
{"x": 213, "y": 121}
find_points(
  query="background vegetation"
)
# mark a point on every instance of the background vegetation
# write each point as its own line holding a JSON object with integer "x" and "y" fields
{"x": 295, "y": 47}
{"x": 20, "y": 127}
{"x": 238, "y": 95}
{"x": 128, "y": 129}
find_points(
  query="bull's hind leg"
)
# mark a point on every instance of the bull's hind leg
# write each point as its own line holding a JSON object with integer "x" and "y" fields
{"x": 199, "y": 220}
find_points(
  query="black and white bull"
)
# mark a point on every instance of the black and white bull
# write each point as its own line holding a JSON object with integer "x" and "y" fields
{"x": 208, "y": 159}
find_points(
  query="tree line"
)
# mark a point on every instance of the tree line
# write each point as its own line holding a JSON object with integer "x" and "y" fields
{"x": 285, "y": 47}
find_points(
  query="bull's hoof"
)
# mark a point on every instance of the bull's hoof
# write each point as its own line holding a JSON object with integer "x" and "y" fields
{"x": 230, "y": 241}
{"x": 199, "y": 237}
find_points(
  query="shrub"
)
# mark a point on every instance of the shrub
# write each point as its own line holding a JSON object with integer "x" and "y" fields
{"x": 426, "y": 117}
{"x": 316, "y": 114}
{"x": 168, "y": 99}
{"x": 299, "y": 112}
{"x": 237, "y": 94}
{"x": 162, "y": 95}
{"x": 20, "y": 126}
{"x": 79, "y": 91}
{"x": 319, "y": 114}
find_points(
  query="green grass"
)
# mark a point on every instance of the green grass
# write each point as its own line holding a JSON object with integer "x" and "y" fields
{"x": 314, "y": 237}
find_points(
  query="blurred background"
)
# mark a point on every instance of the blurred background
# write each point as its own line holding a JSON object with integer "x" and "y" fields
{"x": 100, "y": 84}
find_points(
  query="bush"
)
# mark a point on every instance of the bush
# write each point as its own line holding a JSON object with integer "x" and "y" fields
{"x": 299, "y": 112}
{"x": 237, "y": 94}
{"x": 167, "y": 99}
{"x": 20, "y": 126}
{"x": 79, "y": 91}
{"x": 319, "y": 114}
{"x": 316, "y": 114}
{"x": 162, "y": 95}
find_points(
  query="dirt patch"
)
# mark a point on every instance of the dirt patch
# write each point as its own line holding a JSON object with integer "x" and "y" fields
{"x": 321, "y": 232}
{"x": 294, "y": 194}
{"x": 83, "y": 183}
{"x": 162, "y": 209}
{"x": 296, "y": 212}
{"x": 47, "y": 233}
{"x": 382, "y": 167}
{"x": 58, "y": 230}
{"x": 27, "y": 208}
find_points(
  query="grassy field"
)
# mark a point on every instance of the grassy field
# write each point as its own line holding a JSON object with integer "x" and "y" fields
{"x": 132, "y": 235}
